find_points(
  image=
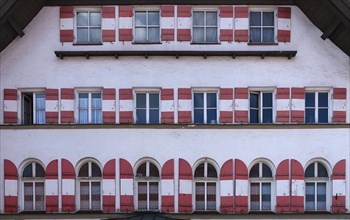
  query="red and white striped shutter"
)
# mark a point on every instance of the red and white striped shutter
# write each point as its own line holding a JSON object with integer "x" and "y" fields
{"x": 226, "y": 187}
{"x": 185, "y": 186}
{"x": 108, "y": 106}
{"x": 126, "y": 186}
{"x": 339, "y": 187}
{"x": 108, "y": 184}
{"x": 284, "y": 24}
{"x": 167, "y": 107}
{"x": 66, "y": 24}
{"x": 108, "y": 24}
{"x": 297, "y": 197}
{"x": 283, "y": 187}
{"x": 125, "y": 23}
{"x": 184, "y": 23}
{"x": 168, "y": 188}
{"x": 67, "y": 105}
{"x": 226, "y": 23}
{"x": 241, "y": 24}
{"x": 51, "y": 106}
{"x": 51, "y": 186}
{"x": 339, "y": 105}
{"x": 241, "y": 187}
{"x": 283, "y": 105}
{"x": 126, "y": 106}
{"x": 10, "y": 106}
{"x": 241, "y": 105}
{"x": 298, "y": 105}
{"x": 185, "y": 105}
{"x": 11, "y": 183}
{"x": 226, "y": 105}
{"x": 68, "y": 186}
{"x": 167, "y": 22}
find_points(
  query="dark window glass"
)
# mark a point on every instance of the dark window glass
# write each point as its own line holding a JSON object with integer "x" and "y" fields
{"x": 211, "y": 18}
{"x": 211, "y": 100}
{"x": 322, "y": 99}
{"x": 254, "y": 172}
{"x": 154, "y": 100}
{"x": 254, "y": 116}
{"x": 254, "y": 100}
{"x": 267, "y": 99}
{"x": 321, "y": 170}
{"x": 323, "y": 116}
{"x": 141, "y": 170}
{"x": 28, "y": 171}
{"x": 198, "y": 100}
{"x": 140, "y": 116}
{"x": 211, "y": 116}
{"x": 154, "y": 116}
{"x": 84, "y": 170}
{"x": 267, "y": 116}
{"x": 255, "y": 19}
{"x": 255, "y": 35}
{"x": 199, "y": 116}
{"x": 255, "y": 196}
{"x": 266, "y": 196}
{"x": 310, "y": 196}
{"x": 268, "y": 18}
{"x": 153, "y": 18}
{"x": 153, "y": 170}
{"x": 211, "y": 196}
{"x": 266, "y": 171}
{"x": 268, "y": 35}
{"x": 310, "y": 171}
{"x": 321, "y": 196}
{"x": 199, "y": 171}
{"x": 96, "y": 171}
{"x": 211, "y": 171}
{"x": 198, "y": 18}
{"x": 310, "y": 99}
{"x": 39, "y": 170}
{"x": 200, "y": 196}
{"x": 140, "y": 100}
{"x": 310, "y": 116}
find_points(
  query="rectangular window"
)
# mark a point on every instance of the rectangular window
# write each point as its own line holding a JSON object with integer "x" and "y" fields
{"x": 315, "y": 197}
{"x": 88, "y": 26}
{"x": 90, "y": 108}
{"x": 147, "y": 108}
{"x": 33, "y": 108}
{"x": 148, "y": 195}
{"x": 261, "y": 107}
{"x": 261, "y": 27}
{"x": 205, "y": 27}
{"x": 316, "y": 107}
{"x": 147, "y": 28}
{"x": 205, "y": 107}
{"x": 260, "y": 196}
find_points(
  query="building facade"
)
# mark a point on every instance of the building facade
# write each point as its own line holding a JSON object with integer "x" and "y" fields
{"x": 174, "y": 109}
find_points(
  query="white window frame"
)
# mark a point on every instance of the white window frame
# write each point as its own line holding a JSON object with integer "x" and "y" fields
{"x": 147, "y": 10}
{"x": 86, "y": 10}
{"x": 90, "y": 92}
{"x": 316, "y": 108}
{"x": 205, "y": 10}
{"x": 34, "y": 92}
{"x": 205, "y": 91}
{"x": 275, "y": 27}
{"x": 260, "y": 93}
{"x": 147, "y": 91}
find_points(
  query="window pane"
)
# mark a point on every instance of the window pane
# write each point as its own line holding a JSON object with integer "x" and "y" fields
{"x": 323, "y": 116}
{"x": 153, "y": 18}
{"x": 198, "y": 116}
{"x": 310, "y": 116}
{"x": 28, "y": 197}
{"x": 96, "y": 116}
{"x": 95, "y": 195}
{"x": 198, "y": 34}
{"x": 211, "y": 116}
{"x": 154, "y": 116}
{"x": 268, "y": 18}
{"x": 153, "y": 170}
{"x": 310, "y": 99}
{"x": 198, "y": 18}
{"x": 84, "y": 195}
{"x": 266, "y": 171}
{"x": 84, "y": 170}
{"x": 82, "y": 19}
{"x": 255, "y": 35}
{"x": 95, "y": 35}
{"x": 141, "y": 170}
{"x": 211, "y": 100}
{"x": 28, "y": 171}
{"x": 82, "y": 35}
{"x": 96, "y": 102}
{"x": 153, "y": 195}
{"x": 212, "y": 19}
{"x": 39, "y": 170}
{"x": 321, "y": 170}
{"x": 140, "y": 100}
{"x": 96, "y": 171}
{"x": 140, "y": 18}
{"x": 199, "y": 171}
{"x": 310, "y": 196}
{"x": 211, "y": 35}
{"x": 83, "y": 108}
{"x": 310, "y": 170}
{"x": 268, "y": 35}
{"x": 255, "y": 19}
{"x": 266, "y": 196}
{"x": 321, "y": 196}
{"x": 211, "y": 171}
{"x": 141, "y": 116}
{"x": 254, "y": 100}
{"x": 154, "y": 100}
{"x": 267, "y": 116}
{"x": 254, "y": 196}
{"x": 40, "y": 101}
{"x": 142, "y": 195}
{"x": 39, "y": 116}
{"x": 254, "y": 171}
{"x": 140, "y": 34}
{"x": 200, "y": 197}
{"x": 267, "y": 99}
{"x": 153, "y": 35}
{"x": 95, "y": 19}
{"x": 39, "y": 196}
{"x": 323, "y": 99}
{"x": 211, "y": 196}
{"x": 198, "y": 100}
{"x": 254, "y": 116}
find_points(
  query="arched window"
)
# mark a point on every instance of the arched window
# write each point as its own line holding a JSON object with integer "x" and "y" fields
{"x": 316, "y": 180}
{"x": 260, "y": 178}
{"x": 205, "y": 177}
{"x": 147, "y": 177}
{"x": 89, "y": 179}
{"x": 33, "y": 187}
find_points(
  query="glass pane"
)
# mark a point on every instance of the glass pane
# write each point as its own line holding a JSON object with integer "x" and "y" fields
{"x": 28, "y": 197}
{"x": 211, "y": 196}
{"x": 96, "y": 171}
{"x": 140, "y": 18}
{"x": 198, "y": 100}
{"x": 82, "y": 35}
{"x": 321, "y": 170}
{"x": 154, "y": 116}
{"x": 40, "y": 101}
{"x": 255, "y": 35}
{"x": 83, "y": 100}
{"x": 142, "y": 195}
{"x": 84, "y": 195}
{"x": 198, "y": 18}
{"x": 95, "y": 18}
{"x": 310, "y": 170}
{"x": 199, "y": 116}
{"x": 211, "y": 100}
{"x": 153, "y": 18}
{"x": 140, "y": 100}
{"x": 96, "y": 116}
{"x": 323, "y": 116}
{"x": 268, "y": 35}
{"x": 84, "y": 170}
{"x": 141, "y": 170}
{"x": 199, "y": 171}
{"x": 266, "y": 171}
{"x": 310, "y": 115}
{"x": 39, "y": 196}
{"x": 254, "y": 100}
{"x": 266, "y": 196}
{"x": 254, "y": 116}
{"x": 254, "y": 171}
{"x": 267, "y": 116}
{"x": 254, "y": 196}
{"x": 211, "y": 171}
{"x": 96, "y": 104}
{"x": 153, "y": 35}
{"x": 198, "y": 34}
{"x": 153, "y": 170}
{"x": 310, "y": 99}
{"x": 268, "y": 19}
{"x": 95, "y": 35}
{"x": 39, "y": 170}
{"x": 140, "y": 35}
{"x": 140, "y": 116}
{"x": 200, "y": 197}
{"x": 28, "y": 171}
{"x": 267, "y": 99}
{"x": 39, "y": 116}
{"x": 310, "y": 196}
{"x": 321, "y": 196}
{"x": 211, "y": 116}
{"x": 211, "y": 35}
{"x": 323, "y": 99}
{"x": 212, "y": 19}
{"x": 154, "y": 100}
{"x": 82, "y": 19}
{"x": 153, "y": 195}
{"x": 255, "y": 19}
{"x": 96, "y": 195}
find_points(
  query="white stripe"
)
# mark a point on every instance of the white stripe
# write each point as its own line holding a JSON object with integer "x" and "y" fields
{"x": 167, "y": 187}
{"x": 298, "y": 104}
{"x": 185, "y": 105}
{"x": 108, "y": 105}
{"x": 167, "y": 105}
{"x": 66, "y": 23}
{"x": 185, "y": 186}
{"x": 108, "y": 24}
{"x": 68, "y": 187}
{"x": 10, "y": 105}
{"x": 126, "y": 187}
{"x": 339, "y": 105}
{"x": 126, "y": 105}
{"x": 284, "y": 24}
{"x": 282, "y": 187}
{"x": 226, "y": 23}
{"x": 51, "y": 106}
{"x": 282, "y": 104}
{"x": 226, "y": 187}
{"x": 241, "y": 23}
{"x": 11, "y": 188}
{"x": 297, "y": 187}
{"x": 108, "y": 186}
{"x": 242, "y": 104}
{"x": 184, "y": 23}
{"x": 241, "y": 187}
{"x": 226, "y": 105}
{"x": 67, "y": 105}
{"x": 168, "y": 22}
{"x": 51, "y": 187}
{"x": 125, "y": 23}
{"x": 339, "y": 187}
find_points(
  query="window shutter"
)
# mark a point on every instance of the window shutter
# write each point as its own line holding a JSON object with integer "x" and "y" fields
{"x": 284, "y": 24}
{"x": 241, "y": 105}
{"x": 108, "y": 24}
{"x": 167, "y": 99}
{"x": 67, "y": 105}
{"x": 11, "y": 183}
{"x": 184, "y": 23}
{"x": 51, "y": 106}
{"x": 226, "y": 187}
{"x": 185, "y": 186}
{"x": 126, "y": 106}
{"x": 10, "y": 106}
{"x": 126, "y": 186}
{"x": 125, "y": 23}
{"x": 298, "y": 105}
{"x": 241, "y": 187}
{"x": 282, "y": 105}
{"x": 185, "y": 105}
{"x": 339, "y": 187}
{"x": 51, "y": 186}
{"x": 297, "y": 197}
{"x": 108, "y": 106}
{"x": 241, "y": 24}
{"x": 283, "y": 187}
{"x": 226, "y": 23}
{"x": 226, "y": 105}
{"x": 109, "y": 186}
{"x": 68, "y": 186}
{"x": 168, "y": 22}
{"x": 339, "y": 105}
{"x": 66, "y": 24}
{"x": 168, "y": 187}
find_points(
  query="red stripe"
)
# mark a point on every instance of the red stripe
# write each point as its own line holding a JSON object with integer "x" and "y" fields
{"x": 241, "y": 116}
{"x": 298, "y": 116}
{"x": 51, "y": 203}
{"x": 297, "y": 170}
{"x": 51, "y": 94}
{"x": 241, "y": 12}
{"x": 167, "y": 10}
{"x": 168, "y": 34}
{"x": 241, "y": 35}
{"x": 10, "y": 170}
{"x": 282, "y": 204}
{"x": 66, "y": 12}
{"x": 108, "y": 117}
{"x": 125, "y": 34}
{"x": 51, "y": 171}
{"x": 126, "y": 203}
{"x": 125, "y": 169}
{"x": 167, "y": 117}
{"x": 11, "y": 204}
{"x": 185, "y": 116}
{"x": 167, "y": 94}
{"x": 126, "y": 117}
{"x": 284, "y": 12}
{"x": 10, "y": 117}
{"x": 226, "y": 12}
{"x": 226, "y": 35}
{"x": 339, "y": 93}
{"x": 226, "y": 94}
{"x": 185, "y": 170}
{"x": 168, "y": 170}
{"x": 339, "y": 171}
{"x": 283, "y": 93}
{"x": 339, "y": 116}
{"x": 184, "y": 34}
{"x": 125, "y": 11}
{"x": 283, "y": 35}
{"x": 226, "y": 117}
{"x": 67, "y": 169}
{"x": 167, "y": 203}
{"x": 185, "y": 93}
{"x": 10, "y": 94}
{"x": 282, "y": 116}
{"x": 67, "y": 94}
{"x": 67, "y": 116}
{"x": 185, "y": 202}
{"x": 108, "y": 12}
{"x": 68, "y": 203}
{"x": 298, "y": 93}
{"x": 66, "y": 35}
{"x": 108, "y": 94}
{"x": 184, "y": 11}
{"x": 241, "y": 204}
{"x": 241, "y": 170}
{"x": 226, "y": 172}
{"x": 51, "y": 117}
{"x": 297, "y": 204}
{"x": 108, "y": 35}
{"x": 108, "y": 203}
{"x": 109, "y": 170}
{"x": 226, "y": 204}
{"x": 338, "y": 204}
{"x": 282, "y": 172}
{"x": 125, "y": 94}
{"x": 241, "y": 93}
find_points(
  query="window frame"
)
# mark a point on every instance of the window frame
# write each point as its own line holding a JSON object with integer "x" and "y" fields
{"x": 275, "y": 27}
{"x": 147, "y": 10}
{"x": 89, "y": 92}
{"x": 316, "y": 108}
{"x": 205, "y": 10}
{"x": 146, "y": 91}
{"x": 260, "y": 92}
{"x": 86, "y": 10}
{"x": 205, "y": 91}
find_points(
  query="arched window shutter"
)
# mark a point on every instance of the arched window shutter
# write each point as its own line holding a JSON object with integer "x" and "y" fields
{"x": 241, "y": 189}
{"x": 108, "y": 197}
{"x": 185, "y": 186}
{"x": 126, "y": 186}
{"x": 68, "y": 186}
{"x": 51, "y": 186}
{"x": 226, "y": 187}
{"x": 297, "y": 197}
{"x": 283, "y": 187}
{"x": 168, "y": 186}
{"x": 339, "y": 187}
{"x": 11, "y": 191}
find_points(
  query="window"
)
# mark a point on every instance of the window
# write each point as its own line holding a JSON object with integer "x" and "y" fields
{"x": 205, "y": 107}
{"x": 260, "y": 177}
{"x": 205, "y": 177}
{"x": 147, "y": 108}
{"x": 33, "y": 108}
{"x": 147, "y": 177}
{"x": 147, "y": 27}
{"x": 316, "y": 107}
{"x": 205, "y": 27}
{"x": 88, "y": 27}
{"x": 262, "y": 27}
{"x": 316, "y": 178}
{"x": 33, "y": 187}
{"x": 89, "y": 178}
{"x": 90, "y": 108}
{"x": 261, "y": 107}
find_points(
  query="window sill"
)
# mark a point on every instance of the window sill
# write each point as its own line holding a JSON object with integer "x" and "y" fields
{"x": 262, "y": 44}
{"x": 87, "y": 44}
{"x": 142, "y": 43}
{"x": 205, "y": 43}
